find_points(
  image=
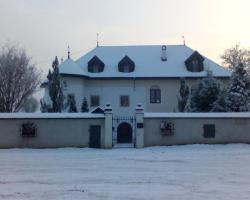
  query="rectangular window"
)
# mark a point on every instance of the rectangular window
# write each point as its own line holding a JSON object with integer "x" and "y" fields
{"x": 209, "y": 130}
{"x": 94, "y": 100}
{"x": 155, "y": 96}
{"x": 124, "y": 101}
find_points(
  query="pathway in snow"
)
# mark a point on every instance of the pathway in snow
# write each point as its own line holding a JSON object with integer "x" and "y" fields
{"x": 179, "y": 172}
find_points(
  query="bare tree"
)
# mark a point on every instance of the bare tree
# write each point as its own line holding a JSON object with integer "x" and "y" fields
{"x": 18, "y": 78}
{"x": 235, "y": 55}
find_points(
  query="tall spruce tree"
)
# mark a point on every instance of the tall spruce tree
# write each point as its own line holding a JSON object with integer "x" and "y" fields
{"x": 183, "y": 96}
{"x": 239, "y": 90}
{"x": 204, "y": 94}
{"x": 85, "y": 106}
{"x": 55, "y": 89}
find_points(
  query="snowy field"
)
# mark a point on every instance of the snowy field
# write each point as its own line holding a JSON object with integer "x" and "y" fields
{"x": 180, "y": 172}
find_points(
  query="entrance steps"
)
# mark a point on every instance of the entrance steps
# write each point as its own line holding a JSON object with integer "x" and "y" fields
{"x": 124, "y": 145}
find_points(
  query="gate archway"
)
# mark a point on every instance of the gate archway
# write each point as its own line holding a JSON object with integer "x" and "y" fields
{"x": 124, "y": 133}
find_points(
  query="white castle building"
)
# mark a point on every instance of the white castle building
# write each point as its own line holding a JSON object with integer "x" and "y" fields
{"x": 127, "y": 75}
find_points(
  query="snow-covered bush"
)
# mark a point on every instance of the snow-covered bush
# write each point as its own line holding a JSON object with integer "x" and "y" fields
{"x": 204, "y": 94}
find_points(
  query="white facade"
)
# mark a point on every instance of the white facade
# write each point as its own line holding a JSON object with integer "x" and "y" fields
{"x": 148, "y": 70}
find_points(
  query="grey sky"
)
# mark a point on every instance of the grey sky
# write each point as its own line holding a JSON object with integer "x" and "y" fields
{"x": 46, "y": 27}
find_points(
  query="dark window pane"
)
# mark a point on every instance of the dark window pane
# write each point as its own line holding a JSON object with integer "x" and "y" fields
{"x": 94, "y": 101}
{"x": 124, "y": 101}
{"x": 155, "y": 95}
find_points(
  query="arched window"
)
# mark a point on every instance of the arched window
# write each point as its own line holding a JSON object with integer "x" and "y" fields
{"x": 155, "y": 94}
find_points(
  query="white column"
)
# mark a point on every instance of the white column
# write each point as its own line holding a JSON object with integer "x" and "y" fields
{"x": 139, "y": 116}
{"x": 108, "y": 127}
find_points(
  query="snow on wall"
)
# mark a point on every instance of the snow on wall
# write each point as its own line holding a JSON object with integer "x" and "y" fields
{"x": 49, "y": 115}
{"x": 146, "y": 115}
{"x": 198, "y": 115}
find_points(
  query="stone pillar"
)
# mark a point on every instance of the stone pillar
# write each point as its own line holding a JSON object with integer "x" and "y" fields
{"x": 139, "y": 116}
{"x": 108, "y": 130}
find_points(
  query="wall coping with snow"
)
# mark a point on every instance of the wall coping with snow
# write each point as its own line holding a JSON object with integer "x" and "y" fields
{"x": 198, "y": 115}
{"x": 50, "y": 116}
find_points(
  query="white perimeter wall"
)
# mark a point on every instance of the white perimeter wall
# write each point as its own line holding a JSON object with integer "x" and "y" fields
{"x": 190, "y": 130}
{"x": 51, "y": 133}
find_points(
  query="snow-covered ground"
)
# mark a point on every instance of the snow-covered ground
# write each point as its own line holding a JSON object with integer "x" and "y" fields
{"x": 179, "y": 172}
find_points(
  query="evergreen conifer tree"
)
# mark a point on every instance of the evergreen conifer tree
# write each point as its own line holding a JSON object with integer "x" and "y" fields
{"x": 55, "y": 90}
{"x": 183, "y": 96}
{"x": 72, "y": 104}
{"x": 85, "y": 106}
{"x": 204, "y": 94}
{"x": 239, "y": 90}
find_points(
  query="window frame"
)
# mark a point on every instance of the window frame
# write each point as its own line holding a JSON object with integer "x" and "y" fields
{"x": 155, "y": 95}
{"x": 122, "y": 104}
{"x": 94, "y": 102}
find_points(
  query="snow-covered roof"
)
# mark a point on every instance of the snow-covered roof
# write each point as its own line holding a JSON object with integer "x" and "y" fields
{"x": 147, "y": 59}
{"x": 70, "y": 67}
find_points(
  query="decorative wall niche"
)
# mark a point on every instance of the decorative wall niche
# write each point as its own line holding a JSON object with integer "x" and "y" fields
{"x": 167, "y": 128}
{"x": 28, "y": 130}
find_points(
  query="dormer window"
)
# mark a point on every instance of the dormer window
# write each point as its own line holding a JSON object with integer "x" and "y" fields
{"x": 95, "y": 65}
{"x": 126, "y": 65}
{"x": 195, "y": 62}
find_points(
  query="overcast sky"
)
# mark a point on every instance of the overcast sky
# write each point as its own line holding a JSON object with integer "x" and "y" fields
{"x": 46, "y": 27}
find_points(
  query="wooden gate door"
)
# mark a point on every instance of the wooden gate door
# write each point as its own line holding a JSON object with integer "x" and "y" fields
{"x": 95, "y": 136}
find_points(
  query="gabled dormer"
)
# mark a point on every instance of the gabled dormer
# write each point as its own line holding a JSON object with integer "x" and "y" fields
{"x": 126, "y": 65}
{"x": 95, "y": 65}
{"x": 195, "y": 63}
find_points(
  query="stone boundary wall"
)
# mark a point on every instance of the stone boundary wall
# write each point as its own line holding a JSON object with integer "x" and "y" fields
{"x": 196, "y": 128}
{"x": 53, "y": 130}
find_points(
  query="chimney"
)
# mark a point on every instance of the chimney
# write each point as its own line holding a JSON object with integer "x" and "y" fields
{"x": 164, "y": 53}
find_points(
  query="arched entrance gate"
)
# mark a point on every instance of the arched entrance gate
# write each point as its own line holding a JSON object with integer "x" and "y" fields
{"x": 124, "y": 133}
{"x": 123, "y": 130}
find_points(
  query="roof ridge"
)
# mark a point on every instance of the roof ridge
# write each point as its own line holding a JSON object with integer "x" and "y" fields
{"x": 139, "y": 45}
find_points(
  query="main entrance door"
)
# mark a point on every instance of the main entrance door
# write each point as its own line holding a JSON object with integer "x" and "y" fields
{"x": 124, "y": 133}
